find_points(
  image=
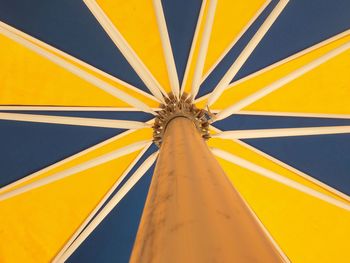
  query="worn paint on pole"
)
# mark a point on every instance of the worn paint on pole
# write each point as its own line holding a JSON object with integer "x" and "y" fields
{"x": 192, "y": 212}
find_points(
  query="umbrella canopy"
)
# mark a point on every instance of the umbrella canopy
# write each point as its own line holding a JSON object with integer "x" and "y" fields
{"x": 81, "y": 83}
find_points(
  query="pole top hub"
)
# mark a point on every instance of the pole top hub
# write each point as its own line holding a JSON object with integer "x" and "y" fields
{"x": 180, "y": 107}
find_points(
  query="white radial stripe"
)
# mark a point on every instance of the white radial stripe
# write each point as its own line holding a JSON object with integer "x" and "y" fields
{"x": 144, "y": 167}
{"x": 76, "y": 169}
{"x": 294, "y": 114}
{"x": 245, "y": 28}
{"x": 77, "y": 71}
{"x": 278, "y": 178}
{"x": 284, "y": 132}
{"x": 281, "y": 82}
{"x": 100, "y": 204}
{"x": 167, "y": 50}
{"x": 203, "y": 48}
{"x": 74, "y": 59}
{"x": 130, "y": 55}
{"x": 68, "y": 108}
{"x": 193, "y": 45}
{"x": 91, "y": 122}
{"x": 242, "y": 58}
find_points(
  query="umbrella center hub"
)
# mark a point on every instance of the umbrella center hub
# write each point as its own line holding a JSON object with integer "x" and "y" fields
{"x": 180, "y": 107}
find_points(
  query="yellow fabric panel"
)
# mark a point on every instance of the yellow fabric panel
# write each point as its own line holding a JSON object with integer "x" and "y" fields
{"x": 136, "y": 21}
{"x": 35, "y": 225}
{"x": 111, "y": 145}
{"x": 325, "y": 89}
{"x": 231, "y": 17}
{"x": 244, "y": 88}
{"x": 193, "y": 62}
{"x": 29, "y": 79}
{"x": 307, "y": 229}
{"x": 243, "y": 151}
{"x": 132, "y": 91}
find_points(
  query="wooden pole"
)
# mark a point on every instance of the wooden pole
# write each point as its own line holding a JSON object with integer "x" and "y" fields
{"x": 192, "y": 212}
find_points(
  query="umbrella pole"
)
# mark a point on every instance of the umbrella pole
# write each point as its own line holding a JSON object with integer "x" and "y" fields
{"x": 192, "y": 212}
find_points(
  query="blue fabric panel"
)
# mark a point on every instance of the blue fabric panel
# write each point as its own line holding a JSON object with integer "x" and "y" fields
{"x": 324, "y": 157}
{"x": 69, "y": 25}
{"x": 113, "y": 239}
{"x": 246, "y": 122}
{"x": 213, "y": 79}
{"x": 114, "y": 115}
{"x": 27, "y": 147}
{"x": 301, "y": 25}
{"x": 181, "y": 17}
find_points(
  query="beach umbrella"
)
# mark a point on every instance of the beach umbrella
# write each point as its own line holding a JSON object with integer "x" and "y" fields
{"x": 174, "y": 131}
